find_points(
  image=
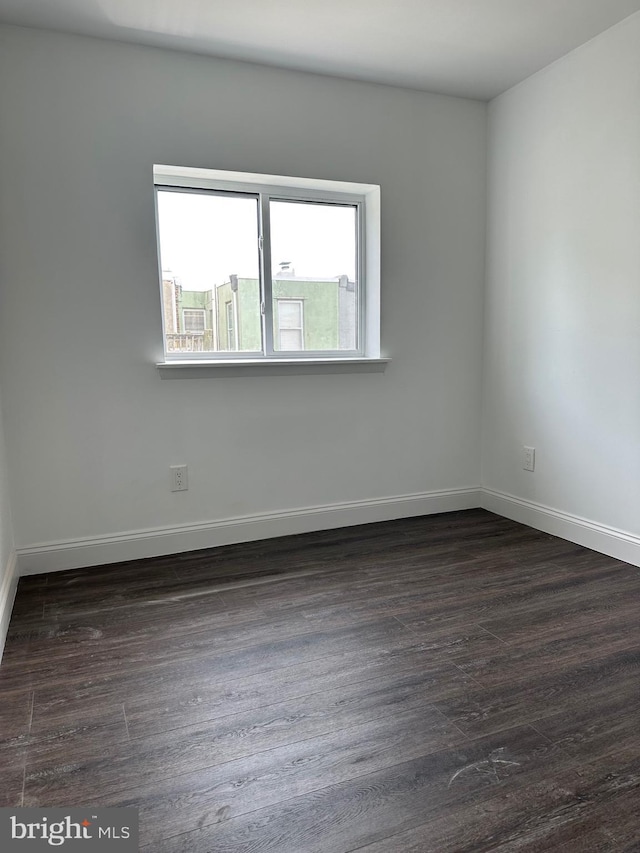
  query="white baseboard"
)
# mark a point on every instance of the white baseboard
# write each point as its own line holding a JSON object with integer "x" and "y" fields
{"x": 138, "y": 544}
{"x": 8, "y": 588}
{"x": 599, "y": 537}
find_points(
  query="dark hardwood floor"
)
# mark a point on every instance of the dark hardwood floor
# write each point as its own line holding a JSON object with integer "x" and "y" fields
{"x": 451, "y": 683}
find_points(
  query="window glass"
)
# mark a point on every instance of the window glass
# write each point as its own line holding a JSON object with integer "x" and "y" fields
{"x": 210, "y": 261}
{"x": 314, "y": 259}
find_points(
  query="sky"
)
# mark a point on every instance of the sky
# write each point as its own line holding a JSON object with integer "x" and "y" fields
{"x": 204, "y": 238}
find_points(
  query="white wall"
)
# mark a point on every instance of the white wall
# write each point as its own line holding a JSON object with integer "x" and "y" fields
{"x": 562, "y": 334}
{"x": 8, "y": 575}
{"x": 6, "y": 531}
{"x": 91, "y": 426}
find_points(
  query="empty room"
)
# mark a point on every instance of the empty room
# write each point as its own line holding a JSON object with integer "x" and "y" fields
{"x": 320, "y": 426}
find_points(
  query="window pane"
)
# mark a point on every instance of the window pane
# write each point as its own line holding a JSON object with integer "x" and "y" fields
{"x": 290, "y": 314}
{"x": 290, "y": 339}
{"x": 194, "y": 321}
{"x": 314, "y": 266}
{"x": 210, "y": 272}
{"x": 289, "y": 319}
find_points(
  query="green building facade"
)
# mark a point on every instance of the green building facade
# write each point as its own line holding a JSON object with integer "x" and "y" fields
{"x": 308, "y": 314}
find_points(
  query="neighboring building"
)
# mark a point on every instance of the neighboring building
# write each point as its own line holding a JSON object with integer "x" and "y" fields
{"x": 188, "y": 316}
{"x": 309, "y": 314}
{"x": 238, "y": 317}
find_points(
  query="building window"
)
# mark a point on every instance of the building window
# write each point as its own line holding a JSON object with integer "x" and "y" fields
{"x": 290, "y": 331}
{"x": 283, "y": 267}
{"x": 231, "y": 326}
{"x": 193, "y": 320}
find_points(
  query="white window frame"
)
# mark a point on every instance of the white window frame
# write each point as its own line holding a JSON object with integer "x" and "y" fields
{"x": 366, "y": 197}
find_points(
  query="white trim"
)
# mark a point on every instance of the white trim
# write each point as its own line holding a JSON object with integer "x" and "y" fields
{"x": 364, "y": 197}
{"x": 599, "y": 537}
{"x": 266, "y": 285}
{"x": 185, "y": 176}
{"x": 7, "y": 596}
{"x": 138, "y": 544}
{"x": 269, "y": 367}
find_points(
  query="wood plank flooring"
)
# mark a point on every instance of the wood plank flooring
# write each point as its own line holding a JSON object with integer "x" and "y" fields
{"x": 446, "y": 684}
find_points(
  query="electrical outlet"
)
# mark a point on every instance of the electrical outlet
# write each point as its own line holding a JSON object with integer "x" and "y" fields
{"x": 179, "y": 479}
{"x": 529, "y": 458}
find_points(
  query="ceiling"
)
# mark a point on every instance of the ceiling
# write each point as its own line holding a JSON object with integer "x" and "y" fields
{"x": 472, "y": 48}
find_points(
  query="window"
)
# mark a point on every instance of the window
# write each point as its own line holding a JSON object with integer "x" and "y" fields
{"x": 231, "y": 326}
{"x": 193, "y": 320}
{"x": 290, "y": 334}
{"x": 266, "y": 267}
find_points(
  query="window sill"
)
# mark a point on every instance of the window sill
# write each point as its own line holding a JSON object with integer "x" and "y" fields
{"x": 269, "y": 367}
